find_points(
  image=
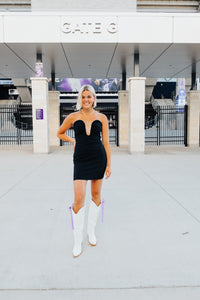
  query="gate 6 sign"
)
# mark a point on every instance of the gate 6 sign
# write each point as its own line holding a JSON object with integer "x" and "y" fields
{"x": 89, "y": 27}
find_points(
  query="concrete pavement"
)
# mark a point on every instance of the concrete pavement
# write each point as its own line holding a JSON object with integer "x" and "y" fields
{"x": 148, "y": 246}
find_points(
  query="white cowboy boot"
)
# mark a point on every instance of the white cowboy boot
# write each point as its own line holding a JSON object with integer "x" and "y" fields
{"x": 92, "y": 221}
{"x": 78, "y": 222}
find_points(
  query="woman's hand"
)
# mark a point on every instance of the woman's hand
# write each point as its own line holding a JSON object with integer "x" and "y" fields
{"x": 108, "y": 172}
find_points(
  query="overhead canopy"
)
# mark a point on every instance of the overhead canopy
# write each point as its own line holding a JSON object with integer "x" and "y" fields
{"x": 99, "y": 46}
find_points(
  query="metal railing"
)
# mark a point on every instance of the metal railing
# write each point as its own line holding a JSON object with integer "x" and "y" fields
{"x": 16, "y": 124}
{"x": 166, "y": 125}
{"x": 15, "y": 5}
{"x": 168, "y": 6}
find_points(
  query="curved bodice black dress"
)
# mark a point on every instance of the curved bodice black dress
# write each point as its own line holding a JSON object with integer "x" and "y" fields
{"x": 89, "y": 155}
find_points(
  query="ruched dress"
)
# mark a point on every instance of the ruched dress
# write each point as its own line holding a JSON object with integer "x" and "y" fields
{"x": 89, "y": 154}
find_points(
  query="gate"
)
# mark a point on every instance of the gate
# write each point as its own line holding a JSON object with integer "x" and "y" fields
{"x": 16, "y": 124}
{"x": 109, "y": 109}
{"x": 166, "y": 125}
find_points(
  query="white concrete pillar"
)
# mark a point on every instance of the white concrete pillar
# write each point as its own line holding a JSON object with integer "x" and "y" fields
{"x": 193, "y": 101}
{"x": 123, "y": 118}
{"x": 136, "y": 114}
{"x": 54, "y": 117}
{"x": 40, "y": 106}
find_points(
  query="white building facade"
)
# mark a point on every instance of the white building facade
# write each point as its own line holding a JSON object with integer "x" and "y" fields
{"x": 80, "y": 39}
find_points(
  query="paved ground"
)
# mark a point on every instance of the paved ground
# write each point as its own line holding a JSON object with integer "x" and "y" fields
{"x": 148, "y": 246}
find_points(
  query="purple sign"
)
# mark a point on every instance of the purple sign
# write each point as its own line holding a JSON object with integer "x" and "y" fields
{"x": 39, "y": 69}
{"x": 39, "y": 114}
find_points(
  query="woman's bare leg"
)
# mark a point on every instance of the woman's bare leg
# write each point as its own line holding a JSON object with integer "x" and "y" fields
{"x": 79, "y": 194}
{"x": 96, "y": 191}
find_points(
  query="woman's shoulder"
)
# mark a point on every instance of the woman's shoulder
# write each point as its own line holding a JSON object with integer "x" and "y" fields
{"x": 102, "y": 117}
{"x": 76, "y": 113}
{"x": 73, "y": 116}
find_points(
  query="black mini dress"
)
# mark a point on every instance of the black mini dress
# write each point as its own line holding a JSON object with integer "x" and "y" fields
{"x": 89, "y": 155}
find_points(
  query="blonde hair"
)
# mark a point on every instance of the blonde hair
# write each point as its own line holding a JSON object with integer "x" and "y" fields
{"x": 86, "y": 87}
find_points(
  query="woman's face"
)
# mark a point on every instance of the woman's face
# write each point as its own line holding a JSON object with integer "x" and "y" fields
{"x": 87, "y": 99}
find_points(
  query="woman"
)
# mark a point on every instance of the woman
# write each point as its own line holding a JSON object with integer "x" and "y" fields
{"x": 91, "y": 161}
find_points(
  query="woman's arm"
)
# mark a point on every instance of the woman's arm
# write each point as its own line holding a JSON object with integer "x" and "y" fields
{"x": 67, "y": 123}
{"x": 105, "y": 140}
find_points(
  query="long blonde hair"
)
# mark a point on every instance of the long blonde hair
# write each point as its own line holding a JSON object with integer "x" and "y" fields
{"x": 86, "y": 87}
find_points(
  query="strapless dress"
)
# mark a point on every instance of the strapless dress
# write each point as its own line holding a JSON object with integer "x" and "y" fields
{"x": 89, "y": 155}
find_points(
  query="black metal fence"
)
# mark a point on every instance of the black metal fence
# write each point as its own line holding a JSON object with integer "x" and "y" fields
{"x": 110, "y": 110}
{"x": 16, "y": 124}
{"x": 166, "y": 125}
